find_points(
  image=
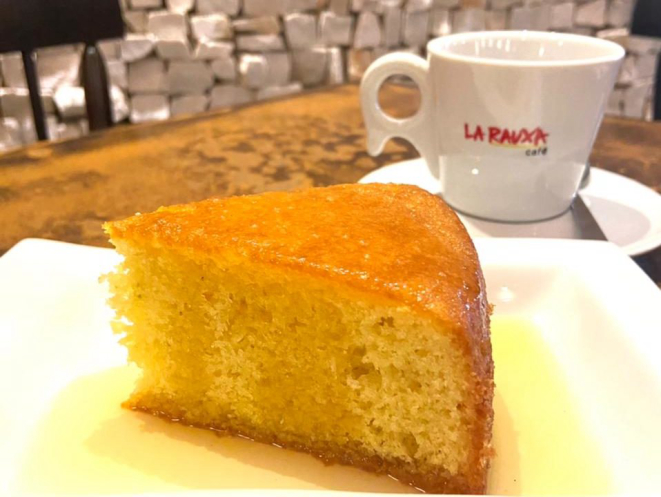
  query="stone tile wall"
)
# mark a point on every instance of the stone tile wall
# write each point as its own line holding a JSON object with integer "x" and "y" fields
{"x": 187, "y": 56}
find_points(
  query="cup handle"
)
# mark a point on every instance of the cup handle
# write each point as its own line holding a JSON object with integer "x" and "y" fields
{"x": 417, "y": 129}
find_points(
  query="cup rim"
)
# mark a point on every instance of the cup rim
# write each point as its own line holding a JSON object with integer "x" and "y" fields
{"x": 435, "y": 47}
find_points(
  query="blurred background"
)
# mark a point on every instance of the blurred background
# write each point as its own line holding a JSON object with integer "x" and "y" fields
{"x": 187, "y": 56}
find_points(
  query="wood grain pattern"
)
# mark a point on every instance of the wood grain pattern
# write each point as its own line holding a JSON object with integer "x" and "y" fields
{"x": 64, "y": 191}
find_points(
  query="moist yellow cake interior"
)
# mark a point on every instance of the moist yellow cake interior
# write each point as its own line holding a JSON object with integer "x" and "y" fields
{"x": 285, "y": 357}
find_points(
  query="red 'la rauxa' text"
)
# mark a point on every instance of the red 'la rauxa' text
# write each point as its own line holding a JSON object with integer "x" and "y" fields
{"x": 503, "y": 136}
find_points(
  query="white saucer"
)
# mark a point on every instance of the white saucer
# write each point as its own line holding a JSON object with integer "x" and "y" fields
{"x": 628, "y": 212}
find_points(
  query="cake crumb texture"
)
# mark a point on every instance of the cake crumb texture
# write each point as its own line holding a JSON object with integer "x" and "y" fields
{"x": 350, "y": 322}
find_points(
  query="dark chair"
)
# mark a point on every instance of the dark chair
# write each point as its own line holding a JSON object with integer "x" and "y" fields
{"x": 647, "y": 22}
{"x": 26, "y": 25}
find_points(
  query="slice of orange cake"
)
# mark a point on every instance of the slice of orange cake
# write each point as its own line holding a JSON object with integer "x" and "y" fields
{"x": 350, "y": 322}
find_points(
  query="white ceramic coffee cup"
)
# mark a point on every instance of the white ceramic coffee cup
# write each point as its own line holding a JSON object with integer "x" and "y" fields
{"x": 507, "y": 118}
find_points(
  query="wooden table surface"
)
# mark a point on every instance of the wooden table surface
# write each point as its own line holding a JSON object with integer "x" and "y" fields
{"x": 64, "y": 191}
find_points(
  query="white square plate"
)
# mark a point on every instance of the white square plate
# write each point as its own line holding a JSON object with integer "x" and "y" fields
{"x": 577, "y": 340}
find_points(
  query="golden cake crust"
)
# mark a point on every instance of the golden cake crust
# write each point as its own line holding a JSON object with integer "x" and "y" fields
{"x": 345, "y": 233}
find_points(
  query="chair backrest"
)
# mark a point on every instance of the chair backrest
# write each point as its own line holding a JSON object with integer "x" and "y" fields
{"x": 30, "y": 24}
{"x": 646, "y": 21}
